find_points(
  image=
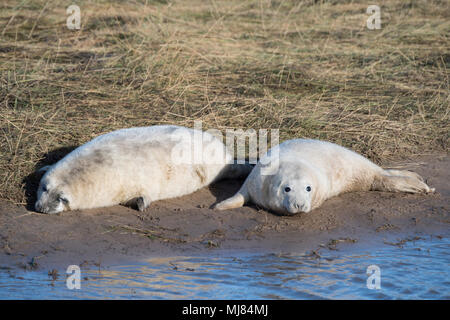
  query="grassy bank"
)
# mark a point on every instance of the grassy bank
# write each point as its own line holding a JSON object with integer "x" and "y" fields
{"x": 308, "y": 68}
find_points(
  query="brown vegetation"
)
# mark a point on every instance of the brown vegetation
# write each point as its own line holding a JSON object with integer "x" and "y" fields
{"x": 308, "y": 68}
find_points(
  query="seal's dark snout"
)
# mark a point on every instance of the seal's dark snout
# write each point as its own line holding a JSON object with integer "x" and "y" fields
{"x": 38, "y": 207}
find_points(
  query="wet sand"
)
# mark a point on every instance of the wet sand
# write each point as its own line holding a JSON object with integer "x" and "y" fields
{"x": 186, "y": 225}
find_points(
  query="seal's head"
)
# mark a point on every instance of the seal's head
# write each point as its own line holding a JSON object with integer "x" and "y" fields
{"x": 291, "y": 189}
{"x": 51, "y": 196}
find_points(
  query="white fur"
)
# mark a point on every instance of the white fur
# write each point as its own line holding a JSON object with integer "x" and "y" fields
{"x": 132, "y": 163}
{"x": 328, "y": 169}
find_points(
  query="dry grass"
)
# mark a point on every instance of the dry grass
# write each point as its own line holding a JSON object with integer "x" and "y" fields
{"x": 309, "y": 68}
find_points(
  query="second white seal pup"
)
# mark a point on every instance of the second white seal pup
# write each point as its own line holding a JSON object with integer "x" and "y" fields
{"x": 140, "y": 165}
{"x": 299, "y": 175}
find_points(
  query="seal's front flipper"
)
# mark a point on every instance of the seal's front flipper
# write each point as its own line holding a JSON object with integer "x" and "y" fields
{"x": 142, "y": 203}
{"x": 400, "y": 184}
{"x": 236, "y": 201}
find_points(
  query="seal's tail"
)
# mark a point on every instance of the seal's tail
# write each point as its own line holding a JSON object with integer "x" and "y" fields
{"x": 401, "y": 181}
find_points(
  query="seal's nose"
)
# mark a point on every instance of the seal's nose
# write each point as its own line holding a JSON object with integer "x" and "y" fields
{"x": 305, "y": 208}
{"x": 292, "y": 209}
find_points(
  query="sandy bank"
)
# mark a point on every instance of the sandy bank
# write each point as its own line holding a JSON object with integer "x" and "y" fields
{"x": 187, "y": 225}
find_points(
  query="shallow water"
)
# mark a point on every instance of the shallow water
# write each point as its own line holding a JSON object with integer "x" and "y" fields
{"x": 417, "y": 270}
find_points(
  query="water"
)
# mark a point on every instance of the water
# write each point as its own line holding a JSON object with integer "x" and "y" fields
{"x": 418, "y": 270}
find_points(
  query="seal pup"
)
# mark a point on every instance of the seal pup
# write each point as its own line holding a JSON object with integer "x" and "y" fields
{"x": 135, "y": 166}
{"x": 299, "y": 175}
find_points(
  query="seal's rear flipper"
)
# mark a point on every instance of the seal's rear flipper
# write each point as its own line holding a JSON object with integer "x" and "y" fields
{"x": 393, "y": 183}
{"x": 236, "y": 201}
{"x": 405, "y": 173}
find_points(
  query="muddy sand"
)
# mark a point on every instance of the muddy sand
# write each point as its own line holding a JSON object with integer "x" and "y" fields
{"x": 187, "y": 226}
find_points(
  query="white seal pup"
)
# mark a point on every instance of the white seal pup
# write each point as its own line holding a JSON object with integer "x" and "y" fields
{"x": 299, "y": 175}
{"x": 135, "y": 165}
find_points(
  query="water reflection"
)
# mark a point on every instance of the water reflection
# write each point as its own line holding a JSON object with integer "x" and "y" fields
{"x": 418, "y": 270}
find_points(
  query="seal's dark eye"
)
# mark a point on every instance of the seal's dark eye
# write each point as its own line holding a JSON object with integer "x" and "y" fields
{"x": 287, "y": 189}
{"x": 44, "y": 189}
{"x": 308, "y": 188}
